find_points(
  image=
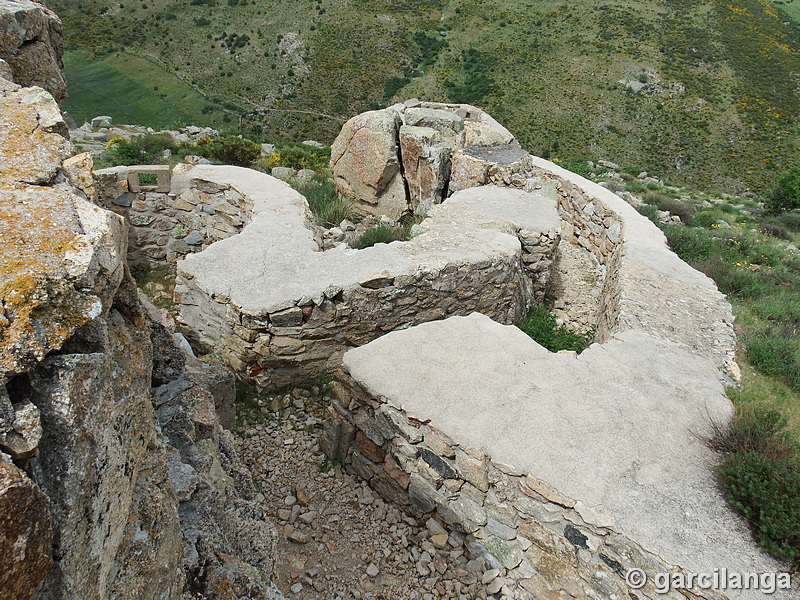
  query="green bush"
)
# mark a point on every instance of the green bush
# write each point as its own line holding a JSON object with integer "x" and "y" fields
{"x": 231, "y": 150}
{"x": 300, "y": 156}
{"x": 144, "y": 149}
{"x": 692, "y": 243}
{"x": 708, "y": 217}
{"x": 776, "y": 229}
{"x": 673, "y": 205}
{"x": 635, "y": 186}
{"x": 649, "y": 211}
{"x": 791, "y": 219}
{"x": 540, "y": 324}
{"x": 760, "y": 475}
{"x": 577, "y": 165}
{"x": 785, "y": 194}
{"x": 376, "y": 235}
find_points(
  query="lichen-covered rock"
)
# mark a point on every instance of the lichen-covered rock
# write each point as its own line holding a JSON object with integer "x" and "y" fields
{"x": 25, "y": 533}
{"x": 32, "y": 135}
{"x": 31, "y": 43}
{"x": 78, "y": 170}
{"x": 62, "y": 261}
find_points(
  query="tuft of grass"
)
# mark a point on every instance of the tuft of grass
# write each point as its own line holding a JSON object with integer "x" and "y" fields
{"x": 540, "y": 324}
{"x": 327, "y": 206}
{"x": 376, "y": 235}
{"x": 760, "y": 475}
{"x": 776, "y": 356}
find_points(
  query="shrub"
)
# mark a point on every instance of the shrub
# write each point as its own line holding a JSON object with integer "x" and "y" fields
{"x": 673, "y": 205}
{"x": 577, "y": 165}
{"x": 776, "y": 229}
{"x": 540, "y": 324}
{"x": 376, "y": 235}
{"x": 760, "y": 475}
{"x": 709, "y": 217}
{"x": 139, "y": 150}
{"x": 649, "y": 211}
{"x": 785, "y": 194}
{"x": 791, "y": 219}
{"x": 692, "y": 243}
{"x": 299, "y": 156}
{"x": 231, "y": 150}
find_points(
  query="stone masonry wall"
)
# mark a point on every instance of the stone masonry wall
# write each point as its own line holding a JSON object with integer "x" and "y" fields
{"x": 587, "y": 220}
{"x": 312, "y": 306}
{"x": 544, "y": 545}
{"x": 166, "y": 226}
{"x": 309, "y": 337}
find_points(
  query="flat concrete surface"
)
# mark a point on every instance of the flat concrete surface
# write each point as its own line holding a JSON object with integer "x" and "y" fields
{"x": 274, "y": 261}
{"x": 496, "y": 207}
{"x": 617, "y": 428}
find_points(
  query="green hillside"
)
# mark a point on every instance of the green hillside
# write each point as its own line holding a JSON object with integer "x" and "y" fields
{"x": 703, "y": 93}
{"x": 133, "y": 90}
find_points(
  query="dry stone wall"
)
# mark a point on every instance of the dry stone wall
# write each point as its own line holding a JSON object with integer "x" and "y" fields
{"x": 560, "y": 476}
{"x": 545, "y": 544}
{"x": 270, "y": 298}
{"x": 167, "y": 225}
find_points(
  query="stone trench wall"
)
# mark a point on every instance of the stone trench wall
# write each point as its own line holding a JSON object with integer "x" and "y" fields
{"x": 310, "y": 336}
{"x": 166, "y": 226}
{"x": 587, "y": 221}
{"x": 545, "y": 545}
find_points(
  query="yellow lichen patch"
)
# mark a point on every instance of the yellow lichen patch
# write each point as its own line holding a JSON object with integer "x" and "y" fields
{"x": 31, "y": 150}
{"x": 40, "y": 307}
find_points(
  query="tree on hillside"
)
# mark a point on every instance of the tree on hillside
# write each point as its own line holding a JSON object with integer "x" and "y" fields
{"x": 785, "y": 193}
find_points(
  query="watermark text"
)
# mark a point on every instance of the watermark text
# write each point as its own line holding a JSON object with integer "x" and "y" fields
{"x": 719, "y": 579}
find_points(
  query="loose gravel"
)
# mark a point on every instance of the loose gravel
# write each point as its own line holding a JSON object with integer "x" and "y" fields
{"x": 338, "y": 539}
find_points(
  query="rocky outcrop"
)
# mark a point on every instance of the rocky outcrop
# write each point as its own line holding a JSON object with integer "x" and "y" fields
{"x": 108, "y": 490}
{"x": 31, "y": 45}
{"x": 400, "y": 159}
{"x": 365, "y": 162}
{"x": 25, "y": 533}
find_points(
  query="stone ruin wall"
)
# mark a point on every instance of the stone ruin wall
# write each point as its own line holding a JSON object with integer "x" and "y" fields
{"x": 308, "y": 336}
{"x": 302, "y": 339}
{"x": 166, "y": 224}
{"x": 550, "y": 546}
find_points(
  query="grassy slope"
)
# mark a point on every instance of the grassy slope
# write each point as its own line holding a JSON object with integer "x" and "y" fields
{"x": 719, "y": 109}
{"x": 132, "y": 90}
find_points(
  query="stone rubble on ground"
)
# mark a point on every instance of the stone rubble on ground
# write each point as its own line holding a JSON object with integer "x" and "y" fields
{"x": 338, "y": 538}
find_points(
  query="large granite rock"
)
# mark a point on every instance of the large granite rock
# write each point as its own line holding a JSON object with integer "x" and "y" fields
{"x": 398, "y": 160}
{"x": 25, "y": 533}
{"x": 426, "y": 162}
{"x": 32, "y": 46}
{"x": 365, "y": 164}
